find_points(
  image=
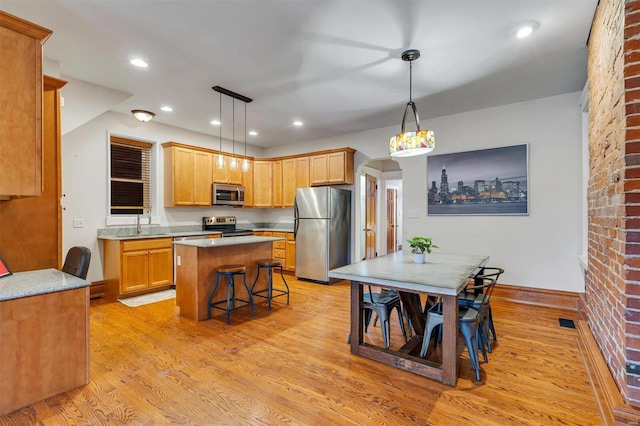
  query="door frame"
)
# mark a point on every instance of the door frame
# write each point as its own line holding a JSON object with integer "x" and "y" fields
{"x": 381, "y": 219}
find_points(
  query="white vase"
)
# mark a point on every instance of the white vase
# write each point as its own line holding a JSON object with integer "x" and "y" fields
{"x": 418, "y": 257}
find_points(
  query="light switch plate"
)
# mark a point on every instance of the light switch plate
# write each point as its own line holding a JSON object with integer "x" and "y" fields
{"x": 78, "y": 223}
{"x": 413, "y": 213}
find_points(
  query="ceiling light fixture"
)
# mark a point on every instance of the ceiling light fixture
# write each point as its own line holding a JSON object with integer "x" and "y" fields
{"x": 253, "y": 133}
{"x": 139, "y": 63}
{"x": 234, "y": 95}
{"x": 142, "y": 115}
{"x": 167, "y": 108}
{"x": 407, "y": 144}
{"x": 525, "y": 30}
{"x": 297, "y": 123}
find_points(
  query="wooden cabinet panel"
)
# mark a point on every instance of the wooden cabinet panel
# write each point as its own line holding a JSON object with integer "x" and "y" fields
{"x": 135, "y": 271}
{"x": 276, "y": 195}
{"x": 290, "y": 257}
{"x": 262, "y": 183}
{"x": 302, "y": 173}
{"x": 21, "y": 162}
{"x": 160, "y": 267}
{"x": 235, "y": 176}
{"x": 202, "y": 178}
{"x": 288, "y": 182}
{"x": 247, "y": 182}
{"x": 318, "y": 170}
{"x": 182, "y": 177}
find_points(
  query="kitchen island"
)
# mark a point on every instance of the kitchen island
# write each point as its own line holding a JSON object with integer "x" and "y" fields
{"x": 196, "y": 263}
{"x": 44, "y": 336}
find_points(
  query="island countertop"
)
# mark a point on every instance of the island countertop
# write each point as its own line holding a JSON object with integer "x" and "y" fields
{"x": 32, "y": 283}
{"x": 228, "y": 241}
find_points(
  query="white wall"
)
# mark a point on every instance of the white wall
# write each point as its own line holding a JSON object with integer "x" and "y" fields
{"x": 539, "y": 250}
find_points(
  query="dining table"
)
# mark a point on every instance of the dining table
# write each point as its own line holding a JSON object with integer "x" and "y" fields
{"x": 442, "y": 275}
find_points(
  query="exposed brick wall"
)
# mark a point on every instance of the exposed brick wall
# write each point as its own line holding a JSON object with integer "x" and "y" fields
{"x": 613, "y": 277}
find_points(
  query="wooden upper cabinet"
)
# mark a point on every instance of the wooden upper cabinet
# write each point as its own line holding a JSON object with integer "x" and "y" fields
{"x": 225, "y": 174}
{"x": 302, "y": 172}
{"x": 202, "y": 178}
{"x": 332, "y": 168}
{"x": 187, "y": 176}
{"x": 247, "y": 182}
{"x": 288, "y": 182}
{"x": 276, "y": 195}
{"x": 262, "y": 183}
{"x": 21, "y": 158}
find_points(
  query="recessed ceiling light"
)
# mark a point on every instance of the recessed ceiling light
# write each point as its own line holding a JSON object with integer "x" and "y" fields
{"x": 297, "y": 123}
{"x": 167, "y": 108}
{"x": 215, "y": 122}
{"x": 139, "y": 63}
{"x": 253, "y": 133}
{"x": 525, "y": 30}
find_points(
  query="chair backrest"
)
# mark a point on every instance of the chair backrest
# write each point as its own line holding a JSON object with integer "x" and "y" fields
{"x": 77, "y": 262}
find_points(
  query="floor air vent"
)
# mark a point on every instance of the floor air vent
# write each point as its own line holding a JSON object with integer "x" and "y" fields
{"x": 566, "y": 323}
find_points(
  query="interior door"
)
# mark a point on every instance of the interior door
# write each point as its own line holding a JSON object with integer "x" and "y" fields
{"x": 392, "y": 220}
{"x": 370, "y": 217}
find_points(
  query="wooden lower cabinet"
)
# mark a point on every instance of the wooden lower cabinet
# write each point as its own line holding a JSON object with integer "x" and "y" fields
{"x": 135, "y": 267}
{"x": 290, "y": 249}
{"x": 284, "y": 250}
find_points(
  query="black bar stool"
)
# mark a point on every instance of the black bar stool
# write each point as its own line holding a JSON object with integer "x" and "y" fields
{"x": 230, "y": 271}
{"x": 270, "y": 265}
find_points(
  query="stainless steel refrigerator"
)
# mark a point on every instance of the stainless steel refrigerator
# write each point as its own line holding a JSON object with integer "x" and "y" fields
{"x": 322, "y": 229}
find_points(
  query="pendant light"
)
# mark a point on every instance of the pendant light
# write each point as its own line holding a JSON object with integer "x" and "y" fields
{"x": 234, "y": 162}
{"x": 220, "y": 156}
{"x": 245, "y": 161}
{"x": 406, "y": 144}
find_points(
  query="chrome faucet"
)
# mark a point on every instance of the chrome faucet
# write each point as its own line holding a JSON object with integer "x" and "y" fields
{"x": 138, "y": 227}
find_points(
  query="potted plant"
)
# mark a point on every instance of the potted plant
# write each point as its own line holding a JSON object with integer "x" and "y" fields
{"x": 418, "y": 246}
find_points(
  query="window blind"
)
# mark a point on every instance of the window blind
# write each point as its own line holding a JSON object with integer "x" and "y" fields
{"x": 130, "y": 176}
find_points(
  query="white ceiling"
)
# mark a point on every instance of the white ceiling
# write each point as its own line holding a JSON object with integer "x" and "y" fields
{"x": 333, "y": 64}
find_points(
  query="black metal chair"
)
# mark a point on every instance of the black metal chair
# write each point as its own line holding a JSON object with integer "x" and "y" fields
{"x": 77, "y": 262}
{"x": 270, "y": 265}
{"x": 469, "y": 323}
{"x": 472, "y": 297}
{"x": 382, "y": 304}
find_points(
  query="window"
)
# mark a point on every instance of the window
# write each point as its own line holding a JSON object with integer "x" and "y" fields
{"x": 130, "y": 176}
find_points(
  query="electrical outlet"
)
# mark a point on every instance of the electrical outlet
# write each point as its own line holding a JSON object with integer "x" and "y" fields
{"x": 178, "y": 260}
{"x": 78, "y": 223}
{"x": 413, "y": 213}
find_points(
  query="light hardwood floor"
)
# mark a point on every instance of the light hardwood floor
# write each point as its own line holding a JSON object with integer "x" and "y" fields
{"x": 292, "y": 365}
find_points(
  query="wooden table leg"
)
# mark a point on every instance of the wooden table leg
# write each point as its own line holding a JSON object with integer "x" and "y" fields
{"x": 411, "y": 302}
{"x": 450, "y": 340}
{"x": 357, "y": 332}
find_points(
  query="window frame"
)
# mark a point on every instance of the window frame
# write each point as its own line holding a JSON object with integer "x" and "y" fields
{"x": 152, "y": 216}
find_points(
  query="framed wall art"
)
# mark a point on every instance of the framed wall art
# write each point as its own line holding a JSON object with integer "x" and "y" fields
{"x": 484, "y": 182}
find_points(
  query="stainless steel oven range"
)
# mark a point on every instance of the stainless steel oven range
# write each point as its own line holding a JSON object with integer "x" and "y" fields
{"x": 224, "y": 224}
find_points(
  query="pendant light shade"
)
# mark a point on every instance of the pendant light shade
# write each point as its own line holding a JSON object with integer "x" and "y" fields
{"x": 416, "y": 142}
{"x": 245, "y": 161}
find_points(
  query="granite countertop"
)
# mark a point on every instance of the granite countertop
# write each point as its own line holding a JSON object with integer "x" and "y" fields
{"x": 442, "y": 273}
{"x": 229, "y": 241}
{"x": 42, "y": 281}
{"x": 159, "y": 234}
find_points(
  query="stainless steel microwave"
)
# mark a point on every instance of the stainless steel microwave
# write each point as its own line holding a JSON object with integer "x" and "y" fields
{"x": 227, "y": 195}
